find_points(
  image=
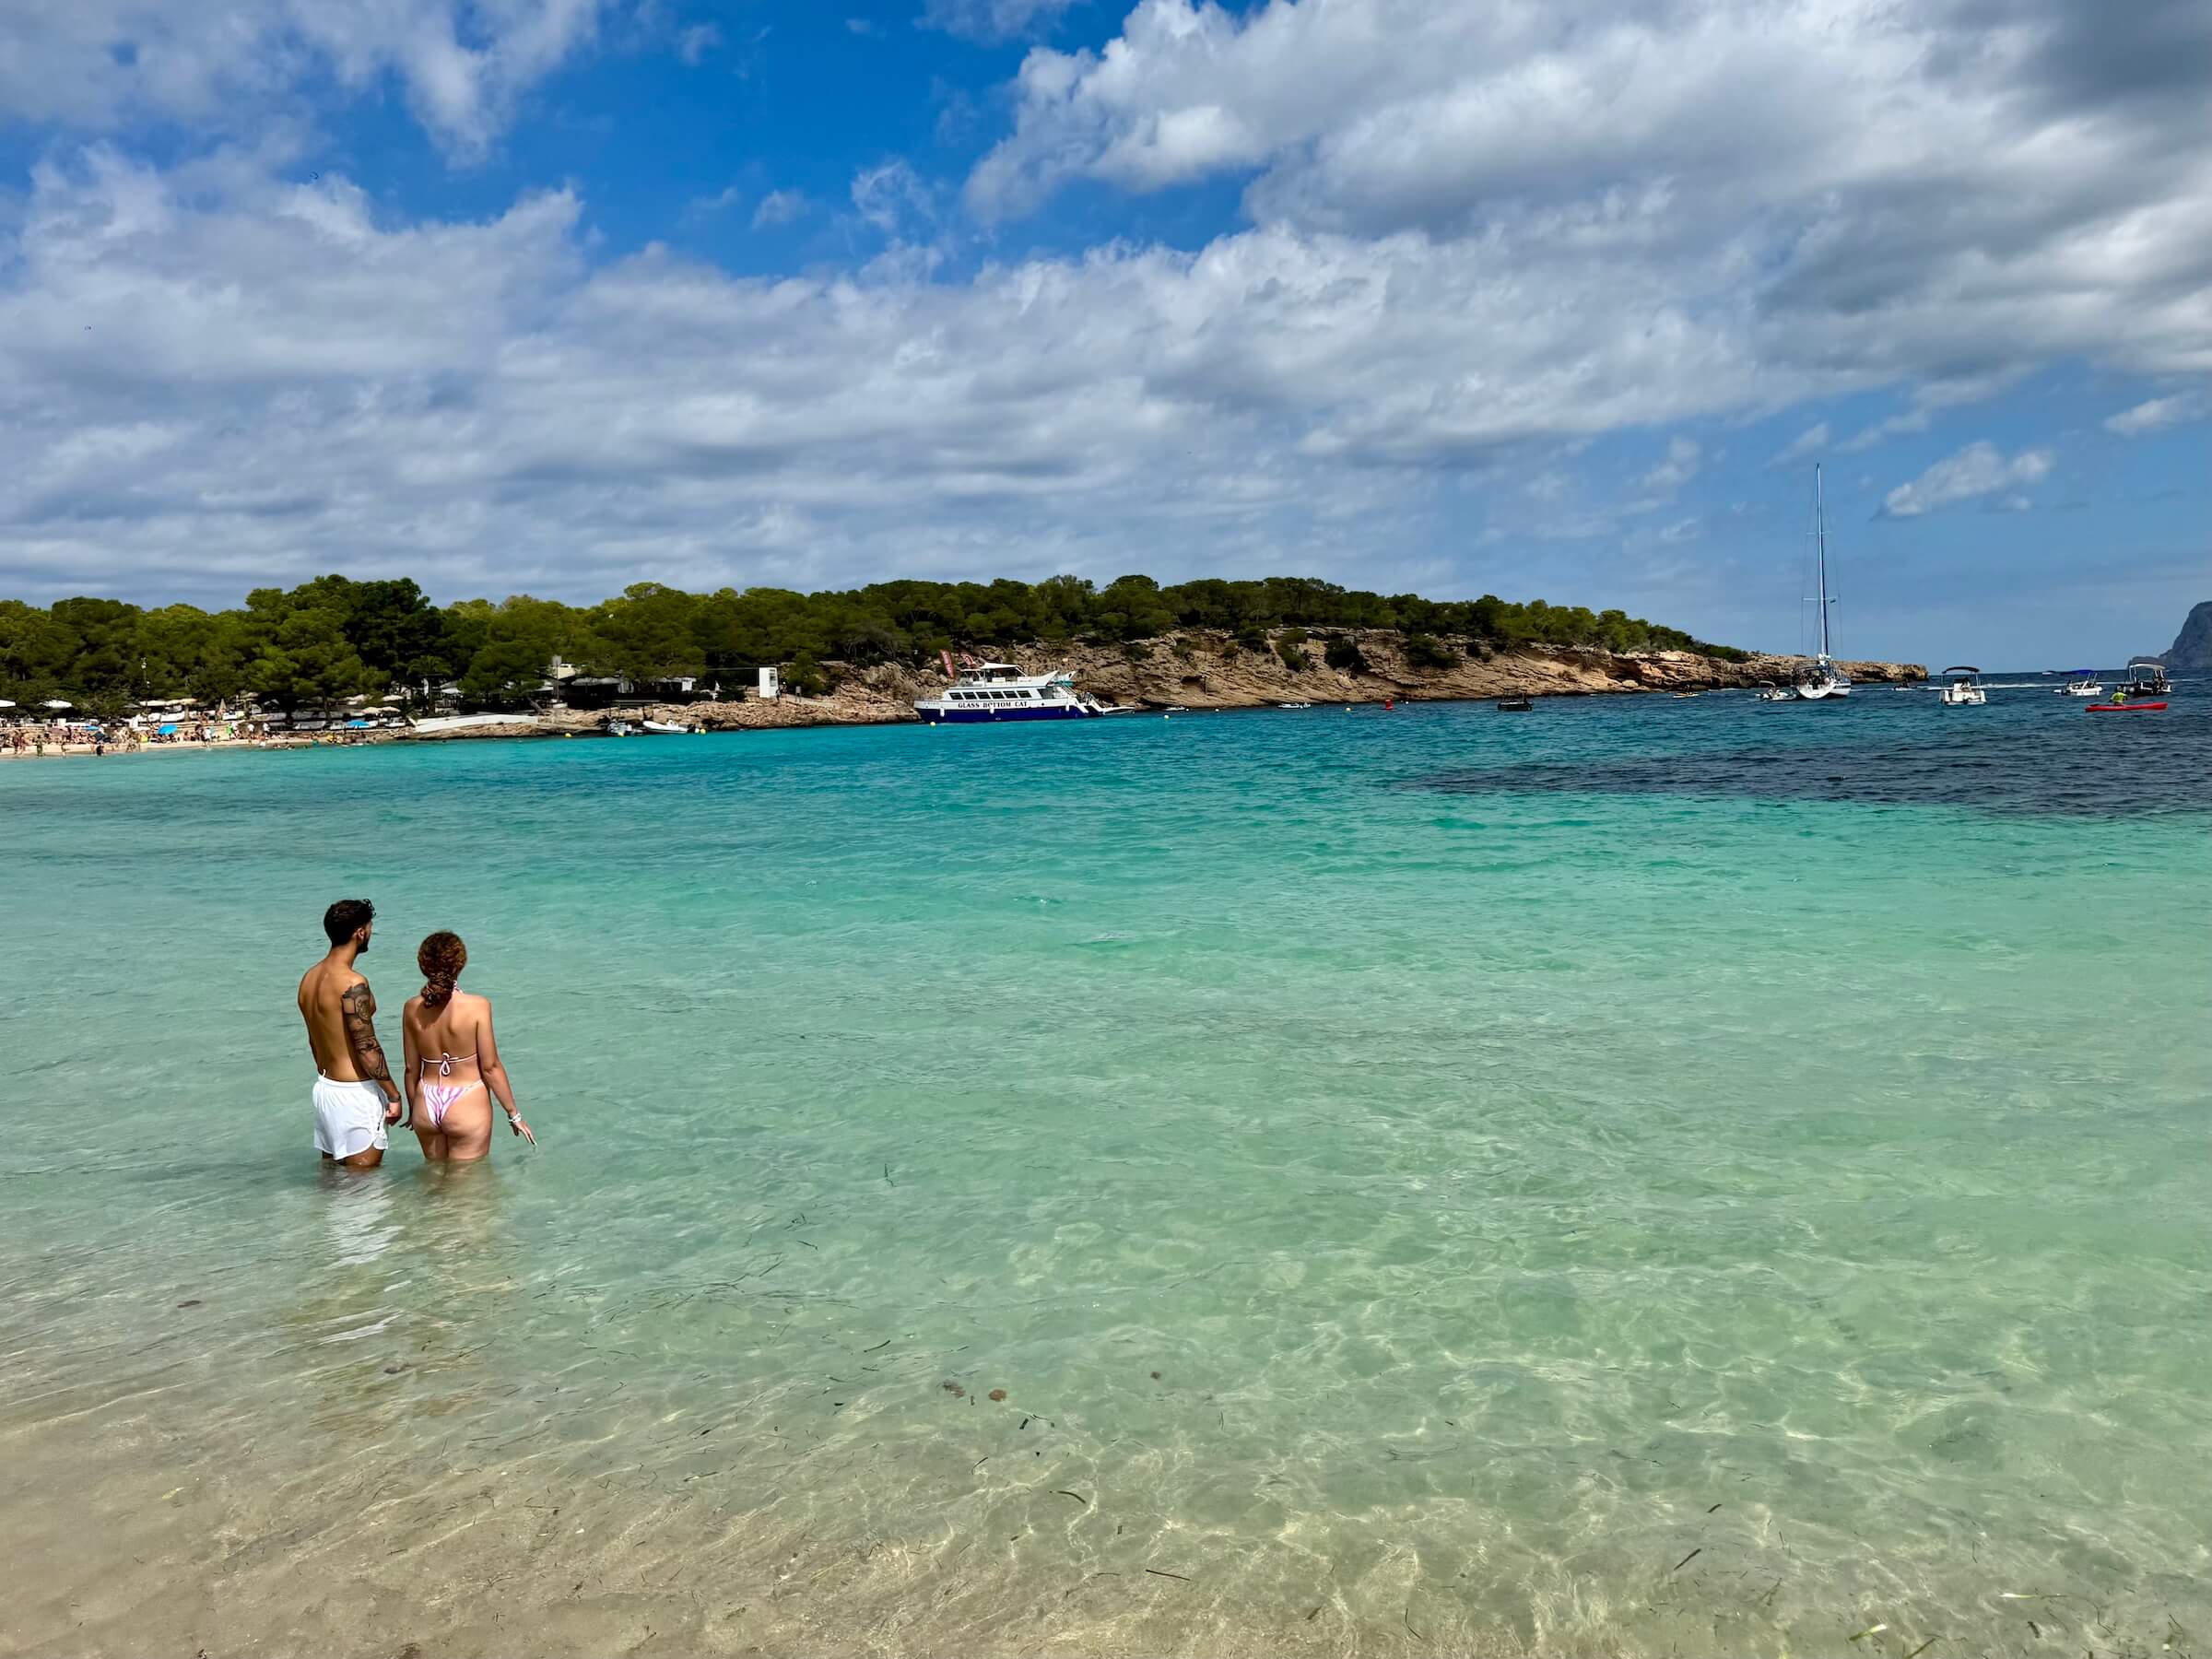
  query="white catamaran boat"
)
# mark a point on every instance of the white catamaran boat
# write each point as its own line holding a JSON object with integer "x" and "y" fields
{"x": 1965, "y": 690}
{"x": 2084, "y": 683}
{"x": 985, "y": 692}
{"x": 1827, "y": 681}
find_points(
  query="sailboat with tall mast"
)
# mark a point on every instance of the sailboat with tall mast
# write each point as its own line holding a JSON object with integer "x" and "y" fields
{"x": 1827, "y": 681}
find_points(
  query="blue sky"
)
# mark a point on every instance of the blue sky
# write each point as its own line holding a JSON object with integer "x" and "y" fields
{"x": 1545, "y": 298}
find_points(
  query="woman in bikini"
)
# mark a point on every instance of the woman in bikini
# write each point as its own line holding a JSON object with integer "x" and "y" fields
{"x": 452, "y": 1068}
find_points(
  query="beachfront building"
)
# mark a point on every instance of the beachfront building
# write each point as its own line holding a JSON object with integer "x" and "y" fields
{"x": 608, "y": 691}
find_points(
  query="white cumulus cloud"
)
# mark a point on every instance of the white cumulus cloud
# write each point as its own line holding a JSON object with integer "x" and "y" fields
{"x": 2156, "y": 415}
{"x": 1979, "y": 469}
{"x": 1891, "y": 194}
{"x": 97, "y": 63}
{"x": 210, "y": 381}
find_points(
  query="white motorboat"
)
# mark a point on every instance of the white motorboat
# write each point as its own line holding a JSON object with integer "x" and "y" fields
{"x": 1769, "y": 692}
{"x": 1965, "y": 689}
{"x": 662, "y": 728}
{"x": 1294, "y": 705}
{"x": 2084, "y": 684}
{"x": 620, "y": 728}
{"x": 989, "y": 692}
{"x": 1827, "y": 682}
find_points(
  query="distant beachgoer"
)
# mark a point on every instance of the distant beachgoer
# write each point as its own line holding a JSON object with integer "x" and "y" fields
{"x": 452, "y": 1060}
{"x": 355, "y": 1097}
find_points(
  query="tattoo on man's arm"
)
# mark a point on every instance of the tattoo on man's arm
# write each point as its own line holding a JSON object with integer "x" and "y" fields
{"x": 360, "y": 1031}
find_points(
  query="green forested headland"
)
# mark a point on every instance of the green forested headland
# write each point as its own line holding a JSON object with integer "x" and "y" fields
{"x": 334, "y": 638}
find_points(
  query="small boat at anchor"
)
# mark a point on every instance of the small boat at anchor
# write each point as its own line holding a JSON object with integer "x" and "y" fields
{"x": 662, "y": 728}
{"x": 2146, "y": 677}
{"x": 2084, "y": 684}
{"x": 1965, "y": 690}
{"x": 1514, "y": 705}
{"x": 1827, "y": 683}
{"x": 1294, "y": 705}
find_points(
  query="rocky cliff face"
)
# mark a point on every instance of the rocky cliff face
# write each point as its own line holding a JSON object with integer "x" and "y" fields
{"x": 1201, "y": 669}
{"x": 2191, "y": 648}
{"x": 1209, "y": 670}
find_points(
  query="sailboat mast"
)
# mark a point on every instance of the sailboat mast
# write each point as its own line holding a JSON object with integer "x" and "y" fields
{"x": 1821, "y": 537}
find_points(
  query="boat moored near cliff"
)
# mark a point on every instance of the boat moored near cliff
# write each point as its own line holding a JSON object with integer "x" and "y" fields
{"x": 2146, "y": 677}
{"x": 986, "y": 692}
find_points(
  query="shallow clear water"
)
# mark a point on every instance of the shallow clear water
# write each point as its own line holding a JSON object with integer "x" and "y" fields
{"x": 1626, "y": 1174}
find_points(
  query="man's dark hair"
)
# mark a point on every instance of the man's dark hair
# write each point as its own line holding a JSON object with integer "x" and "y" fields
{"x": 345, "y": 918}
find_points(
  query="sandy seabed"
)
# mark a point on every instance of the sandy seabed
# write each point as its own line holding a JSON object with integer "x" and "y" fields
{"x": 127, "y": 1534}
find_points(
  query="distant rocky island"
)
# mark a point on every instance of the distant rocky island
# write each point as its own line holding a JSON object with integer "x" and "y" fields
{"x": 2192, "y": 649}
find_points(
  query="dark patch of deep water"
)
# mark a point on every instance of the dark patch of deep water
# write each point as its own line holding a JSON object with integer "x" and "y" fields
{"x": 2028, "y": 752}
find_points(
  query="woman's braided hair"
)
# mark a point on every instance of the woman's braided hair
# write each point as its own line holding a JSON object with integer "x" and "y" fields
{"x": 441, "y": 958}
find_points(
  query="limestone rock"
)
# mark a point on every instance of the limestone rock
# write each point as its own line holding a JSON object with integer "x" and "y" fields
{"x": 2192, "y": 649}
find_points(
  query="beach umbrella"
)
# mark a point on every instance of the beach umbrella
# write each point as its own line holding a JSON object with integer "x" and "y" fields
{"x": 57, "y": 704}
{"x": 5, "y": 704}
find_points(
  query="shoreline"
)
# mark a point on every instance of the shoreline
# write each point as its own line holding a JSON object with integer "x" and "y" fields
{"x": 87, "y": 751}
{"x": 1207, "y": 671}
{"x": 1202, "y": 671}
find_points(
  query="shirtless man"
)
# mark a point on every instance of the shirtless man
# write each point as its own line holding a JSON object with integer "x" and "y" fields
{"x": 355, "y": 1096}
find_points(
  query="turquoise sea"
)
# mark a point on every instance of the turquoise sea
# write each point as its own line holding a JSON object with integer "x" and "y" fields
{"x": 1623, "y": 1179}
